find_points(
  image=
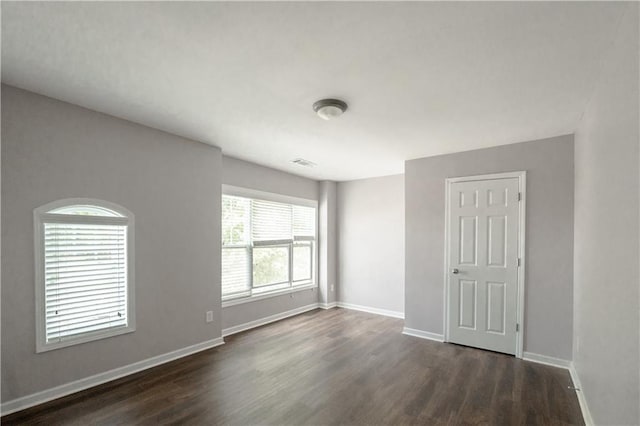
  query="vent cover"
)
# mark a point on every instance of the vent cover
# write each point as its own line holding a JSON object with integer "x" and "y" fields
{"x": 303, "y": 162}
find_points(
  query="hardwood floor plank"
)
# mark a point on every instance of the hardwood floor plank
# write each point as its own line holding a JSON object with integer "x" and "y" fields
{"x": 334, "y": 367}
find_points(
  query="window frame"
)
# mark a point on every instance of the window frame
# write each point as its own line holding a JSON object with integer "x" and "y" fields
{"x": 295, "y": 286}
{"x": 41, "y": 216}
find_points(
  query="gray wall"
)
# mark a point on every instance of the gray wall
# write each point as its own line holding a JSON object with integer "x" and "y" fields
{"x": 606, "y": 237}
{"x": 549, "y": 237}
{"x": 371, "y": 242}
{"x": 248, "y": 175}
{"x": 53, "y": 150}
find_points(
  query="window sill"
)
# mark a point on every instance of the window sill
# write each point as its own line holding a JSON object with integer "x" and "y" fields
{"x": 249, "y": 299}
{"x": 89, "y": 337}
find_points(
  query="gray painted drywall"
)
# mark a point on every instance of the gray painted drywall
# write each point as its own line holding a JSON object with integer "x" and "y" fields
{"x": 371, "y": 242}
{"x": 606, "y": 350}
{"x": 328, "y": 242}
{"x": 248, "y": 175}
{"x": 549, "y": 237}
{"x": 53, "y": 150}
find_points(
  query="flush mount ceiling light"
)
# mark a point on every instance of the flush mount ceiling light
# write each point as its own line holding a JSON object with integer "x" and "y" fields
{"x": 329, "y": 108}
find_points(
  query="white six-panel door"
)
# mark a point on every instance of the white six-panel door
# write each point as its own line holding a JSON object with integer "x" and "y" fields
{"x": 483, "y": 232}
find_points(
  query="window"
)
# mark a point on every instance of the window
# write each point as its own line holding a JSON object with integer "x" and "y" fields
{"x": 267, "y": 246}
{"x": 84, "y": 272}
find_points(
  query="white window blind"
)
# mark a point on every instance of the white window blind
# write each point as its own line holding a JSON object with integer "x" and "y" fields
{"x": 235, "y": 220}
{"x": 271, "y": 221}
{"x": 236, "y": 229}
{"x": 235, "y": 272}
{"x": 83, "y": 269}
{"x": 304, "y": 222}
{"x": 85, "y": 278}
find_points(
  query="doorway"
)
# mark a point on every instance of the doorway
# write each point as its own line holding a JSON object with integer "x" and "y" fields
{"x": 484, "y": 260}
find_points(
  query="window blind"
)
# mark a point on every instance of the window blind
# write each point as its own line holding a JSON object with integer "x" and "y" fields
{"x": 271, "y": 221}
{"x": 235, "y": 220}
{"x": 235, "y": 270}
{"x": 304, "y": 221}
{"x": 85, "y": 272}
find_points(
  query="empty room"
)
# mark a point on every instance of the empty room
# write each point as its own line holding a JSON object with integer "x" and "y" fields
{"x": 320, "y": 213}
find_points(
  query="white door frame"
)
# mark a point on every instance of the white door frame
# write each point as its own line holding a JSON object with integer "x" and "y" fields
{"x": 522, "y": 188}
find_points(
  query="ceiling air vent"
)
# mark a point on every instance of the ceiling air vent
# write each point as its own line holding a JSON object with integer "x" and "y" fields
{"x": 303, "y": 162}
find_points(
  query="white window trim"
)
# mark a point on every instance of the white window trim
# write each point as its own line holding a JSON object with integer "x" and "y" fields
{"x": 267, "y": 295}
{"x": 40, "y": 216}
{"x": 237, "y": 191}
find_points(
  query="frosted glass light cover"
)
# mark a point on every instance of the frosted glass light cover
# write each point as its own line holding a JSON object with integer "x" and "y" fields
{"x": 328, "y": 112}
{"x": 329, "y": 108}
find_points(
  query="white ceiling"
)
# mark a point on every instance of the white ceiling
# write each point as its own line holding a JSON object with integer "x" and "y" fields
{"x": 421, "y": 79}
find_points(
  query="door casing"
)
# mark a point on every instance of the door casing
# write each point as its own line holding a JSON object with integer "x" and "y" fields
{"x": 522, "y": 188}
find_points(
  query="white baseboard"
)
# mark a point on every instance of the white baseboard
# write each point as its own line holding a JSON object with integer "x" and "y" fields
{"x": 266, "y": 320}
{"x": 546, "y": 360}
{"x": 98, "y": 379}
{"x": 385, "y": 312}
{"x": 423, "y": 334}
{"x": 586, "y": 414}
{"x": 328, "y": 305}
{"x": 563, "y": 363}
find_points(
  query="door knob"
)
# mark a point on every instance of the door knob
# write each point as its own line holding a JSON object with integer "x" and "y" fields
{"x": 455, "y": 271}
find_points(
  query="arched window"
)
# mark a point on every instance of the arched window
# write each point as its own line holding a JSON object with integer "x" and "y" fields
{"x": 84, "y": 272}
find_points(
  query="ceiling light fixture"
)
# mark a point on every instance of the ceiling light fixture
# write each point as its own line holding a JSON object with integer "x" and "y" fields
{"x": 329, "y": 108}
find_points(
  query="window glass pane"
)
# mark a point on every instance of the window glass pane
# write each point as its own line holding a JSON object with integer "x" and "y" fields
{"x": 235, "y": 270}
{"x": 270, "y": 265}
{"x": 86, "y": 211}
{"x": 302, "y": 262}
{"x": 235, "y": 220}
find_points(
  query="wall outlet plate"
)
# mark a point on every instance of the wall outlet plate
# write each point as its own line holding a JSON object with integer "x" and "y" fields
{"x": 209, "y": 316}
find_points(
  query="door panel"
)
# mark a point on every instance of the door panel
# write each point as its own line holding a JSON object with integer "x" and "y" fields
{"x": 495, "y": 307}
{"x": 468, "y": 240}
{"x": 496, "y": 241}
{"x": 468, "y": 304}
{"x": 483, "y": 261}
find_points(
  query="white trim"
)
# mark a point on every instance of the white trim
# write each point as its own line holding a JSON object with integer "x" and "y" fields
{"x": 423, "y": 334}
{"x": 522, "y": 188}
{"x": 98, "y": 379}
{"x": 586, "y": 414}
{"x": 329, "y": 305}
{"x": 267, "y": 295}
{"x": 377, "y": 311}
{"x": 267, "y": 320}
{"x": 267, "y": 196}
{"x": 546, "y": 360}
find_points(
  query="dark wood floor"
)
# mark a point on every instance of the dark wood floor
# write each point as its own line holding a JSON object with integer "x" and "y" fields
{"x": 326, "y": 367}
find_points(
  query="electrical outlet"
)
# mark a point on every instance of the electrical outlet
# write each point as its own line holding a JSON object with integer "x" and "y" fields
{"x": 331, "y": 287}
{"x": 209, "y": 316}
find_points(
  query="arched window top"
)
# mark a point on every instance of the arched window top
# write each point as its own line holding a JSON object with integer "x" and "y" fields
{"x": 86, "y": 210}
{"x": 86, "y": 207}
